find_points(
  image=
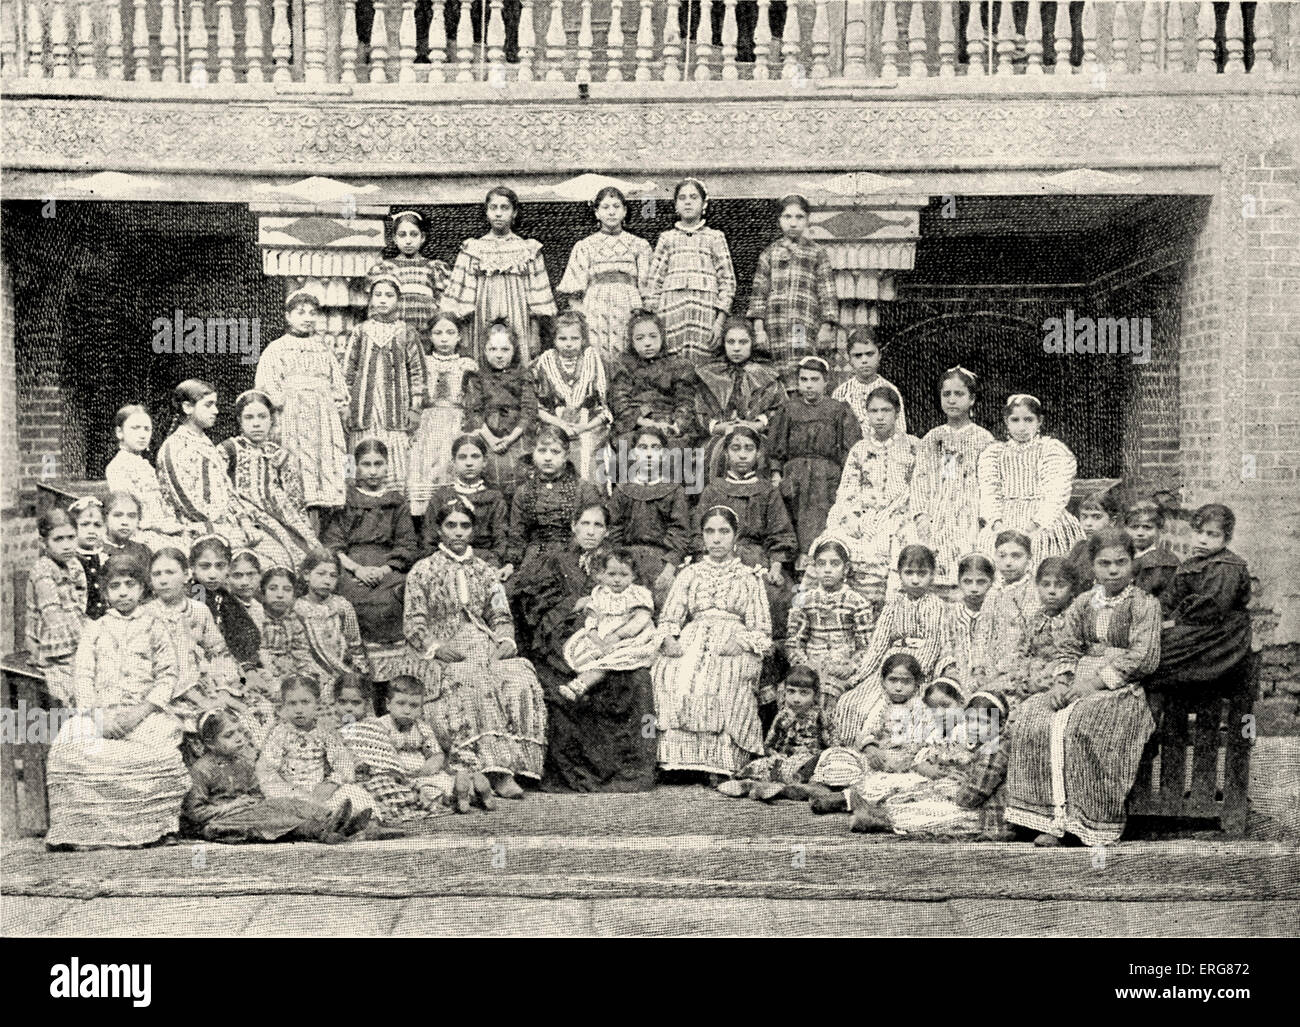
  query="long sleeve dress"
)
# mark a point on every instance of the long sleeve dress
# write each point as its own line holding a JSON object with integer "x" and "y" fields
{"x": 729, "y": 392}
{"x": 333, "y": 641}
{"x": 793, "y": 294}
{"x": 383, "y": 366}
{"x": 509, "y": 402}
{"x": 965, "y": 645}
{"x": 946, "y": 491}
{"x": 267, "y": 478}
{"x": 540, "y": 518}
{"x": 452, "y": 405}
{"x": 1154, "y": 570}
{"x": 423, "y": 281}
{"x": 577, "y": 395}
{"x": 119, "y": 791}
{"x": 660, "y": 389}
{"x": 217, "y": 783}
{"x": 808, "y": 443}
{"x": 501, "y": 278}
{"x": 653, "y": 520}
{"x": 691, "y": 282}
{"x": 854, "y": 391}
{"x": 159, "y": 525}
{"x": 1024, "y": 482}
{"x": 606, "y": 279}
{"x": 489, "y": 708}
{"x": 306, "y": 385}
{"x": 294, "y": 760}
{"x": 829, "y": 632}
{"x": 1211, "y": 635}
{"x": 491, "y": 520}
{"x": 1023, "y": 663}
{"x": 375, "y": 531}
{"x": 56, "y": 613}
{"x": 707, "y": 702}
{"x": 203, "y": 658}
{"x": 284, "y": 648}
{"x": 1070, "y": 770}
{"x": 870, "y": 515}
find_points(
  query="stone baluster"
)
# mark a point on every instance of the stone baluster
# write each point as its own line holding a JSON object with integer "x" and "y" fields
{"x": 855, "y": 40}
{"x": 703, "y": 41}
{"x": 313, "y": 40}
{"x": 1034, "y": 40}
{"x": 140, "y": 41}
{"x": 464, "y": 43}
{"x": 645, "y": 43}
{"x": 731, "y": 38}
{"x": 1234, "y": 41}
{"x": 1175, "y": 60}
{"x": 254, "y": 44}
{"x": 889, "y": 41}
{"x": 1119, "y": 33}
{"x": 791, "y": 47}
{"x": 9, "y": 40}
{"x": 614, "y": 43}
{"x": 1149, "y": 39}
{"x": 406, "y": 43}
{"x": 1090, "y": 64}
{"x": 976, "y": 55}
{"x": 348, "y": 42}
{"x": 916, "y": 41}
{"x": 821, "y": 41}
{"x": 496, "y": 43}
{"x": 557, "y": 43}
{"x": 672, "y": 44}
{"x": 438, "y": 40}
{"x": 1062, "y": 40}
{"x": 197, "y": 43}
{"x": 1004, "y": 38}
{"x": 1266, "y": 61}
{"x": 379, "y": 43}
{"x": 168, "y": 43}
{"x": 947, "y": 41}
{"x": 114, "y": 52}
{"x": 60, "y": 51}
{"x": 225, "y": 42}
{"x": 35, "y": 66}
{"x": 86, "y": 65}
{"x": 281, "y": 40}
{"x": 585, "y": 43}
{"x": 1206, "y": 49}
{"x": 527, "y": 42}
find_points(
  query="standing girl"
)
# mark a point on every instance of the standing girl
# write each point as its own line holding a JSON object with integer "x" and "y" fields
{"x": 945, "y": 500}
{"x": 735, "y": 391}
{"x": 1025, "y": 484}
{"x": 606, "y": 276}
{"x": 422, "y": 280}
{"x": 864, "y": 360}
{"x": 333, "y": 635}
{"x": 501, "y": 277}
{"x": 810, "y": 437}
{"x": 652, "y": 389}
{"x": 56, "y": 603}
{"x": 453, "y": 404}
{"x": 792, "y": 299}
{"x": 966, "y": 653}
{"x": 305, "y": 384}
{"x": 691, "y": 282}
{"x": 509, "y": 409}
{"x": 87, "y": 514}
{"x": 130, "y": 472}
{"x": 572, "y": 392}
{"x": 384, "y": 369}
{"x": 266, "y": 477}
{"x": 491, "y": 511}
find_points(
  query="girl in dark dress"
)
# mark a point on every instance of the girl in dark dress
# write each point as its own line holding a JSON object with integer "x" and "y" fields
{"x": 1154, "y": 565}
{"x": 491, "y": 511}
{"x": 1208, "y": 635}
{"x": 87, "y": 515}
{"x": 509, "y": 415}
{"x": 651, "y": 389}
{"x": 1096, "y": 513}
{"x": 376, "y": 545}
{"x": 650, "y": 516}
{"x": 121, "y": 521}
{"x": 736, "y": 390}
{"x": 808, "y": 441}
{"x": 598, "y": 744}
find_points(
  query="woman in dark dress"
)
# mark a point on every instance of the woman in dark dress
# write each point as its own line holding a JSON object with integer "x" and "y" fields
{"x": 600, "y": 743}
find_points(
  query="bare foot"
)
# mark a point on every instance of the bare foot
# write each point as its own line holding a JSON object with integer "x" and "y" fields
{"x": 567, "y": 693}
{"x": 1047, "y": 841}
{"x": 870, "y": 816}
{"x": 507, "y": 787}
{"x": 483, "y": 792}
{"x": 735, "y": 789}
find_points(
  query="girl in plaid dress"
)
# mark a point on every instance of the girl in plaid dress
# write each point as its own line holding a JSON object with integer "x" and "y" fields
{"x": 692, "y": 282}
{"x": 792, "y": 298}
{"x": 422, "y": 280}
{"x": 56, "y": 602}
{"x": 501, "y": 277}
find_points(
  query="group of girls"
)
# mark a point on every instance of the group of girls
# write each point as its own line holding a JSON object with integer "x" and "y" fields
{"x": 418, "y": 578}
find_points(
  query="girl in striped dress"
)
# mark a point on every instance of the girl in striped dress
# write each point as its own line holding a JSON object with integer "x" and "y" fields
{"x": 1012, "y": 599}
{"x": 56, "y": 603}
{"x": 706, "y": 679}
{"x": 691, "y": 282}
{"x": 305, "y": 384}
{"x": 1025, "y": 484}
{"x": 509, "y": 411}
{"x": 333, "y": 634}
{"x": 384, "y": 369}
{"x": 573, "y": 392}
{"x": 501, "y": 277}
{"x": 1075, "y": 749}
{"x": 1024, "y": 652}
{"x": 284, "y": 639}
{"x": 453, "y": 404}
{"x": 864, "y": 360}
{"x": 422, "y": 280}
{"x": 606, "y": 276}
{"x": 267, "y": 479}
{"x": 130, "y": 472}
{"x": 945, "y": 502}
{"x": 966, "y": 651}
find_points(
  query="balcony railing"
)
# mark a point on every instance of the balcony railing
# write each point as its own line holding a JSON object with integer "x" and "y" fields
{"x": 638, "y": 41}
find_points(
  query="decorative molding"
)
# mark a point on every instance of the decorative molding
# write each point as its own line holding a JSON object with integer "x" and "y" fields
{"x": 583, "y": 189}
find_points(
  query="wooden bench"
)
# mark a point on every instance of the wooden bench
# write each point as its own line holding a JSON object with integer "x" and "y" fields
{"x": 1197, "y": 763}
{"x": 22, "y": 688}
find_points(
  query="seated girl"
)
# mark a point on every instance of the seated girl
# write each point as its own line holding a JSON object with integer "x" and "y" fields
{"x": 968, "y": 625}
{"x": 245, "y": 582}
{"x": 284, "y": 639}
{"x": 375, "y": 543}
{"x": 651, "y": 388}
{"x": 304, "y": 759}
{"x": 1156, "y": 566}
{"x": 490, "y": 507}
{"x": 210, "y": 565}
{"x": 129, "y": 471}
{"x": 830, "y": 624}
{"x": 1096, "y": 513}
{"x": 333, "y": 636}
{"x": 225, "y": 802}
{"x": 1011, "y": 602}
{"x": 619, "y": 633}
{"x": 911, "y": 622}
{"x": 121, "y": 524}
{"x": 740, "y": 389}
{"x": 1088, "y": 731}
{"x": 1207, "y": 635}
{"x": 509, "y": 409}
{"x": 794, "y": 742}
{"x": 115, "y": 776}
{"x": 1024, "y": 665}
{"x": 87, "y": 514}
{"x": 56, "y": 603}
